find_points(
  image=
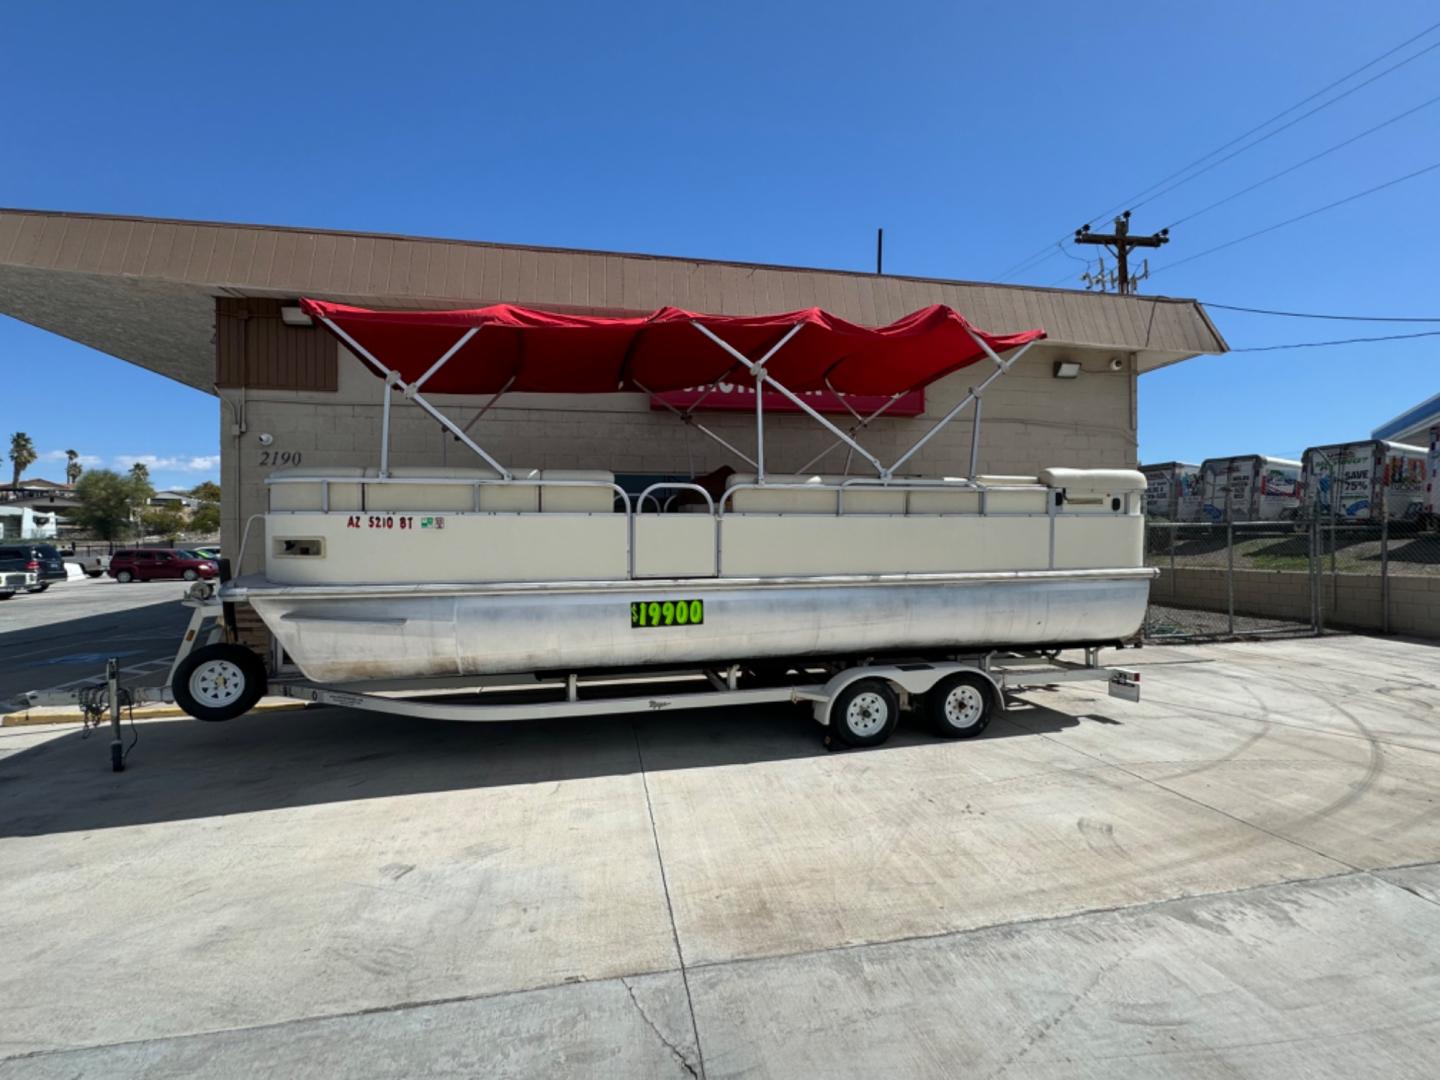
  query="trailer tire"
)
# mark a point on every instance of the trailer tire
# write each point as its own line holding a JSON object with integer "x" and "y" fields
{"x": 864, "y": 713}
{"x": 219, "y": 682}
{"x": 960, "y": 707}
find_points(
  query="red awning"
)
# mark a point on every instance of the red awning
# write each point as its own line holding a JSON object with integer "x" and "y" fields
{"x": 547, "y": 352}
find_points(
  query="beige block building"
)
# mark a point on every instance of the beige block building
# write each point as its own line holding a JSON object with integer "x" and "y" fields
{"x": 202, "y": 303}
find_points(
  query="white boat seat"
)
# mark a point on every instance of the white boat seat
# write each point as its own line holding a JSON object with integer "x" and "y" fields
{"x": 871, "y": 498}
{"x": 309, "y": 495}
{"x": 781, "y": 500}
{"x": 457, "y": 496}
{"x": 577, "y": 500}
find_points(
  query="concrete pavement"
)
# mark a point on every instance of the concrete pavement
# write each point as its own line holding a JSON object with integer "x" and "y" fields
{"x": 1236, "y": 877}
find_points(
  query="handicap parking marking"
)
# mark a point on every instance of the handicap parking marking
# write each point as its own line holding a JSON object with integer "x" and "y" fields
{"x": 86, "y": 657}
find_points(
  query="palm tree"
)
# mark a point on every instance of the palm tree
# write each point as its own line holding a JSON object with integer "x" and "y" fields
{"x": 22, "y": 455}
{"x": 72, "y": 467}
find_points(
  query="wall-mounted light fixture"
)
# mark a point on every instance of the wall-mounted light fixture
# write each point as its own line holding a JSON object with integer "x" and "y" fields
{"x": 1067, "y": 369}
{"x": 293, "y": 316}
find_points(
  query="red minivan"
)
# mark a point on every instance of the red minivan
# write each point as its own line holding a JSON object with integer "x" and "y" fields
{"x": 147, "y": 564}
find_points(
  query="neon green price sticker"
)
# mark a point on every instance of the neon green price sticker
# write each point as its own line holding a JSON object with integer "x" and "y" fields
{"x": 648, "y": 613}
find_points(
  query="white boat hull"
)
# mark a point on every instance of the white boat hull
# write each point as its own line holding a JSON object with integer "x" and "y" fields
{"x": 356, "y": 633}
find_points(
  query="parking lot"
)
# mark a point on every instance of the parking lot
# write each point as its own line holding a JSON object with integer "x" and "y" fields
{"x": 1236, "y": 877}
{"x": 65, "y": 634}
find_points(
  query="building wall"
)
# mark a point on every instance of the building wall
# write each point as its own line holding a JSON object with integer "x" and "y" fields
{"x": 1031, "y": 420}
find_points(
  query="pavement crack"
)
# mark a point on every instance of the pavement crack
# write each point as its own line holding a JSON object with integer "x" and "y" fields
{"x": 1379, "y": 876}
{"x": 1042, "y": 1030}
{"x": 669, "y": 903}
{"x": 675, "y": 1050}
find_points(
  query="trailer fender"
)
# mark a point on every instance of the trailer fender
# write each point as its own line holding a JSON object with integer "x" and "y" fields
{"x": 911, "y": 679}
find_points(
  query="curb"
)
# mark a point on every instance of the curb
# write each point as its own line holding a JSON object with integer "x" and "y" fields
{"x": 70, "y": 714}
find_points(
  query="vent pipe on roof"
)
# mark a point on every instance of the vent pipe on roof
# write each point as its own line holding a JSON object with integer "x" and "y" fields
{"x": 879, "y": 251}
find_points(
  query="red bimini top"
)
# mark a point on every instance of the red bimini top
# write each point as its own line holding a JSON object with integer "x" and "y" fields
{"x": 529, "y": 351}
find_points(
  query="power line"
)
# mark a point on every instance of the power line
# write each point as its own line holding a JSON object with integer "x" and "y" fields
{"x": 1045, "y": 253}
{"x": 1284, "y": 127}
{"x": 1341, "y": 341}
{"x": 1298, "y": 217}
{"x": 1307, "y": 161}
{"x": 1316, "y": 315}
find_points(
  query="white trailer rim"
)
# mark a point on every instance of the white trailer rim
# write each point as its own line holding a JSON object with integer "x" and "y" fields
{"x": 217, "y": 683}
{"x": 867, "y": 712}
{"x": 964, "y": 706}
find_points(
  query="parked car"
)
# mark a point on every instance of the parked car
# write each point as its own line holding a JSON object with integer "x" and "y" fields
{"x": 91, "y": 566}
{"x": 13, "y": 581}
{"x": 153, "y": 564}
{"x": 211, "y": 553}
{"x": 43, "y": 560}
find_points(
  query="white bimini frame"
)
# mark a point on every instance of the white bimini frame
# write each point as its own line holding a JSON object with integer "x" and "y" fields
{"x": 392, "y": 381}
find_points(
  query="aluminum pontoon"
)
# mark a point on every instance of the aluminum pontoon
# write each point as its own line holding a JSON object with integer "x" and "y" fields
{"x": 843, "y": 582}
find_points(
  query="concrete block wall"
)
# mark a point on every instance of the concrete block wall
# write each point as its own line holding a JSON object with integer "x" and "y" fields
{"x": 1351, "y": 601}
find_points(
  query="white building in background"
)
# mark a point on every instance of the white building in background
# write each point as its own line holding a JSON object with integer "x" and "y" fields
{"x": 182, "y": 501}
{"x": 26, "y": 523}
{"x": 1413, "y": 425}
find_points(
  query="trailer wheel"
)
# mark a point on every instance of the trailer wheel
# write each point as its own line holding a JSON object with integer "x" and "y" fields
{"x": 864, "y": 713}
{"x": 219, "y": 682}
{"x": 960, "y": 707}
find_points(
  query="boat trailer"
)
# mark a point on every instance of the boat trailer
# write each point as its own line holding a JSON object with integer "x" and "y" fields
{"x": 858, "y": 704}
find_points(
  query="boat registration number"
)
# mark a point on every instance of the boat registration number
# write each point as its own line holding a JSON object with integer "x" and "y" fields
{"x": 648, "y": 613}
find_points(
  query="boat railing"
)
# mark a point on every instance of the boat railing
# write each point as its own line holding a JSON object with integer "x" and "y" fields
{"x": 476, "y": 483}
{"x": 959, "y": 484}
{"x": 896, "y": 484}
{"x": 667, "y": 485}
{"x": 625, "y": 502}
{"x": 634, "y": 506}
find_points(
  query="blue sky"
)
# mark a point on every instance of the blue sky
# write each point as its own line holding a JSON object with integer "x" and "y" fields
{"x": 975, "y": 134}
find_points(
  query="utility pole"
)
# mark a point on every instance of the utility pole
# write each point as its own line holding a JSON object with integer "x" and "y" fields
{"x": 1120, "y": 242}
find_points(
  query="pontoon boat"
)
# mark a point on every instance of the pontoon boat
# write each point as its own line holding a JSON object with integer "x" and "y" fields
{"x": 388, "y": 572}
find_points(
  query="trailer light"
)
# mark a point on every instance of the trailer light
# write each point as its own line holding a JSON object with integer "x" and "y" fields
{"x": 1067, "y": 369}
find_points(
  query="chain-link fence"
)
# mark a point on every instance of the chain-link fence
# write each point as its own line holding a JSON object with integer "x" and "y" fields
{"x": 1245, "y": 579}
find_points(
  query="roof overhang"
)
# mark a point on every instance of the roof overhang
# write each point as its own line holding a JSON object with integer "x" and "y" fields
{"x": 144, "y": 289}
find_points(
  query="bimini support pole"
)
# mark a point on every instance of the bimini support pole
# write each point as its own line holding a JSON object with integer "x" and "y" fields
{"x": 1001, "y": 367}
{"x": 759, "y": 371}
{"x": 757, "y": 368}
{"x": 688, "y": 417}
{"x": 412, "y": 391}
{"x": 391, "y": 378}
{"x": 862, "y": 422}
{"x": 489, "y": 404}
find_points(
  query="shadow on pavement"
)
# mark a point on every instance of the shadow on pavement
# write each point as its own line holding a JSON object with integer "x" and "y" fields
{"x": 184, "y": 769}
{"x": 35, "y": 657}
